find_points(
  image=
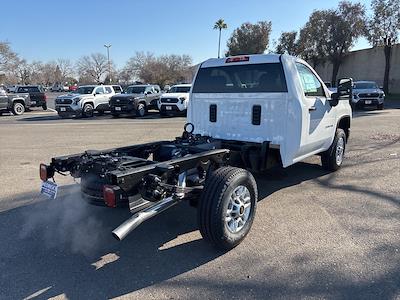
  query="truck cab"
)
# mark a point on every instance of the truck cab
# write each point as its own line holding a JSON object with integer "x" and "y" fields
{"x": 277, "y": 99}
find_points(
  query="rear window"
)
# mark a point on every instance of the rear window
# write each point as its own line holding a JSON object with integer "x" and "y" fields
{"x": 117, "y": 89}
{"x": 252, "y": 78}
{"x": 28, "y": 89}
{"x": 179, "y": 89}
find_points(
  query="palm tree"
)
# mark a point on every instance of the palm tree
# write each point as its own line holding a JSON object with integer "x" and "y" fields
{"x": 220, "y": 24}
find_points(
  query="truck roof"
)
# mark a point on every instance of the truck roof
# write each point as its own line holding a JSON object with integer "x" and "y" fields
{"x": 241, "y": 59}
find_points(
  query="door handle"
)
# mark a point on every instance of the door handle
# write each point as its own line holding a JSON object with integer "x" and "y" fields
{"x": 312, "y": 108}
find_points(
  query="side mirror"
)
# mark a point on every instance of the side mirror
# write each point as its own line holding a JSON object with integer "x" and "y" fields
{"x": 344, "y": 91}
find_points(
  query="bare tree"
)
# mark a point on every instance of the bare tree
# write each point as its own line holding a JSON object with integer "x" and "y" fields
{"x": 249, "y": 38}
{"x": 92, "y": 67}
{"x": 287, "y": 43}
{"x": 23, "y": 71}
{"x": 66, "y": 68}
{"x": 383, "y": 30}
{"x": 8, "y": 57}
{"x": 159, "y": 70}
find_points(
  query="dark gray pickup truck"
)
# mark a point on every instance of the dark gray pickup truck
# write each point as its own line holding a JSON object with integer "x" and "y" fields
{"x": 15, "y": 103}
{"x": 137, "y": 99}
{"x": 36, "y": 94}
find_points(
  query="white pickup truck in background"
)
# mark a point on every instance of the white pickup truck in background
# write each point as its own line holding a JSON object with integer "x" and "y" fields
{"x": 175, "y": 101}
{"x": 85, "y": 100}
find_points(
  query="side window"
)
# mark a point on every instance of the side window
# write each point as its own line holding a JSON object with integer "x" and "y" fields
{"x": 311, "y": 85}
{"x": 108, "y": 90}
{"x": 157, "y": 89}
{"x": 99, "y": 90}
{"x": 149, "y": 90}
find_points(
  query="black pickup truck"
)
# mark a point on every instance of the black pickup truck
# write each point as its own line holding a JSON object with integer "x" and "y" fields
{"x": 15, "y": 103}
{"x": 137, "y": 99}
{"x": 36, "y": 93}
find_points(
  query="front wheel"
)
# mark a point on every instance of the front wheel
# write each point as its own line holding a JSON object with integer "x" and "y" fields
{"x": 44, "y": 106}
{"x": 332, "y": 158}
{"x": 87, "y": 111}
{"x": 18, "y": 108}
{"x": 141, "y": 110}
{"x": 227, "y": 207}
{"x": 380, "y": 106}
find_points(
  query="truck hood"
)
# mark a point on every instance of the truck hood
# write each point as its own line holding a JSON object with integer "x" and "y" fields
{"x": 367, "y": 91}
{"x": 73, "y": 95}
{"x": 175, "y": 95}
{"x": 128, "y": 96}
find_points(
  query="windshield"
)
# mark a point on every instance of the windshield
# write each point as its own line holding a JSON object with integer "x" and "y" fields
{"x": 28, "y": 89}
{"x": 135, "y": 89}
{"x": 364, "y": 85}
{"x": 251, "y": 78}
{"x": 85, "y": 90}
{"x": 179, "y": 89}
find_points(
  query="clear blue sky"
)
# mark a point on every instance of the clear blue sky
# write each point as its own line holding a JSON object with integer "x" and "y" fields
{"x": 47, "y": 30}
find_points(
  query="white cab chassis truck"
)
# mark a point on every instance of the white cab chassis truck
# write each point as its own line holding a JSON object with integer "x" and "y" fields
{"x": 246, "y": 114}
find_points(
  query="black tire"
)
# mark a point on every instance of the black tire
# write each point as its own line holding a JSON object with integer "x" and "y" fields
{"x": 100, "y": 112}
{"x": 330, "y": 159}
{"x": 87, "y": 111}
{"x": 380, "y": 106}
{"x": 214, "y": 202}
{"x": 141, "y": 110}
{"x": 115, "y": 115}
{"x": 44, "y": 106}
{"x": 18, "y": 108}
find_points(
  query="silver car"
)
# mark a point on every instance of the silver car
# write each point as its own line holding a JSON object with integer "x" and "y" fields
{"x": 367, "y": 93}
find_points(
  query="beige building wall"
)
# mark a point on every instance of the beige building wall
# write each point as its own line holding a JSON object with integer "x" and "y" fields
{"x": 367, "y": 64}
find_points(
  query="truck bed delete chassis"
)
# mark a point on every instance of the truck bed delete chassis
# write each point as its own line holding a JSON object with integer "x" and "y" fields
{"x": 152, "y": 177}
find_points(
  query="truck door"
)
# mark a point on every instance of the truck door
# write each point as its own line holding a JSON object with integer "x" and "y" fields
{"x": 318, "y": 116}
{"x": 100, "y": 97}
{"x": 3, "y": 99}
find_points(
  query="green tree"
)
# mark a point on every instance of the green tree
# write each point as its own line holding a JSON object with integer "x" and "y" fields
{"x": 287, "y": 43}
{"x": 219, "y": 25}
{"x": 332, "y": 33}
{"x": 383, "y": 30}
{"x": 249, "y": 38}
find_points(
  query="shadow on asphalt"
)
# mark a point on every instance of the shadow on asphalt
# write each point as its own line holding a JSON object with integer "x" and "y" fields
{"x": 65, "y": 246}
{"x": 149, "y": 116}
{"x": 56, "y": 243}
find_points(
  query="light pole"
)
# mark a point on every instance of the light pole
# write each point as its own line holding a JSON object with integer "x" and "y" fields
{"x": 108, "y": 58}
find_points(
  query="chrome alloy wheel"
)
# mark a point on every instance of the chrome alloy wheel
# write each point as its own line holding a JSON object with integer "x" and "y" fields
{"x": 239, "y": 208}
{"x": 339, "y": 151}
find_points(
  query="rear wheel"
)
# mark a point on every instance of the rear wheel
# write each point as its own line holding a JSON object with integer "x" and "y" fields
{"x": 87, "y": 111}
{"x": 227, "y": 207}
{"x": 141, "y": 110}
{"x": 18, "y": 108}
{"x": 332, "y": 159}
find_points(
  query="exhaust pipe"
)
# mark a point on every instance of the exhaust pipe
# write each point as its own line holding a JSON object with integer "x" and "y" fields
{"x": 125, "y": 228}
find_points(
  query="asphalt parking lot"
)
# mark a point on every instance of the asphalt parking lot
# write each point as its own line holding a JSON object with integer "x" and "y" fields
{"x": 316, "y": 235}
